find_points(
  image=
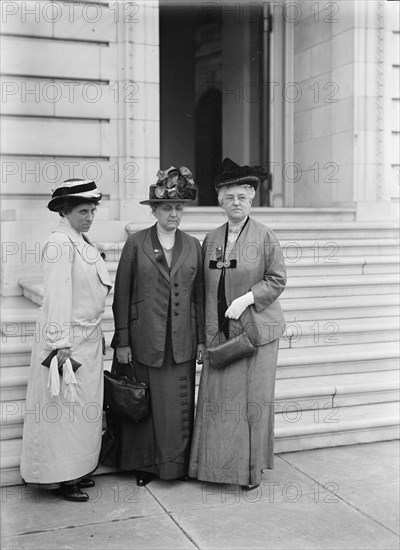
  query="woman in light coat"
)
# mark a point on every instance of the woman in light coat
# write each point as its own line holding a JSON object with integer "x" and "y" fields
{"x": 63, "y": 416}
{"x": 244, "y": 274}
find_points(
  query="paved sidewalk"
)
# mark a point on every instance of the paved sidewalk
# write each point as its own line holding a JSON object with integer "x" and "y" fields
{"x": 340, "y": 497}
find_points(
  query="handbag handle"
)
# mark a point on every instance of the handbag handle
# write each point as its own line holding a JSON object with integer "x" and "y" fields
{"x": 133, "y": 369}
{"x": 218, "y": 331}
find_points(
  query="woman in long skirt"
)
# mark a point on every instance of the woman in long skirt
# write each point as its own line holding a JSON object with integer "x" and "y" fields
{"x": 244, "y": 274}
{"x": 63, "y": 411}
{"x": 158, "y": 313}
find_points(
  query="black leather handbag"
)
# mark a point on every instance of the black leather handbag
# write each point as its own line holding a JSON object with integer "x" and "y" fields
{"x": 125, "y": 396}
{"x": 222, "y": 355}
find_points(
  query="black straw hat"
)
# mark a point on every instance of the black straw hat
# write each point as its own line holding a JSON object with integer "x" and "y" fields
{"x": 232, "y": 174}
{"x": 72, "y": 191}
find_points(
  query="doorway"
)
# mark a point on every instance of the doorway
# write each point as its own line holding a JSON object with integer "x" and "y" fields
{"x": 214, "y": 67}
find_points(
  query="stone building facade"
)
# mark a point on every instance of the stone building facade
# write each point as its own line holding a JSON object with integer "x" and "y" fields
{"x": 113, "y": 91}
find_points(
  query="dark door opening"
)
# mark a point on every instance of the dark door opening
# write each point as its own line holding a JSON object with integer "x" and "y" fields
{"x": 213, "y": 82}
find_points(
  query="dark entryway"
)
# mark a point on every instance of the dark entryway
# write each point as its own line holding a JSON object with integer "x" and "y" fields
{"x": 213, "y": 90}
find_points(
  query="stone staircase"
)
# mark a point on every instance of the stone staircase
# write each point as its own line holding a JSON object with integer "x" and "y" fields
{"x": 337, "y": 378}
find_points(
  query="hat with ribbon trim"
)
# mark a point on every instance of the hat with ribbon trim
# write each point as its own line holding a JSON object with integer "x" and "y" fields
{"x": 173, "y": 185}
{"x": 232, "y": 174}
{"x": 72, "y": 192}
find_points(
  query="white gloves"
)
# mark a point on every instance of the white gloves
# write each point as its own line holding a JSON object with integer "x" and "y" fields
{"x": 237, "y": 307}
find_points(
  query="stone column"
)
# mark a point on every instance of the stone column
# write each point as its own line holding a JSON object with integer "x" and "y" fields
{"x": 342, "y": 133}
{"x": 139, "y": 112}
{"x": 373, "y": 126}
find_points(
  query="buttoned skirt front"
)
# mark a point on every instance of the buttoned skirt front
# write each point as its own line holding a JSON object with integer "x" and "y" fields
{"x": 159, "y": 444}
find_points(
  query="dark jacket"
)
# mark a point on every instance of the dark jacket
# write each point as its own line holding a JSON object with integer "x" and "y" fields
{"x": 148, "y": 293}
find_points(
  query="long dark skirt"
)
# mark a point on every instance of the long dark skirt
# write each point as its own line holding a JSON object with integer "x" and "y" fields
{"x": 160, "y": 444}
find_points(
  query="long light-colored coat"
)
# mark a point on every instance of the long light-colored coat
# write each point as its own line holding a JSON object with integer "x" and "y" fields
{"x": 233, "y": 434}
{"x": 61, "y": 439}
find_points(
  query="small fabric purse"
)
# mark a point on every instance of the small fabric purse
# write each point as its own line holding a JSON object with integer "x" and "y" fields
{"x": 47, "y": 362}
{"x": 126, "y": 397}
{"x": 222, "y": 355}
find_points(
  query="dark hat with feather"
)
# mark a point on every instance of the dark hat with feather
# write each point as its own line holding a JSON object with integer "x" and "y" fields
{"x": 232, "y": 174}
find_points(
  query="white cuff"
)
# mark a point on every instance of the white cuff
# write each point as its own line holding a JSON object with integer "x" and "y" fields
{"x": 249, "y": 298}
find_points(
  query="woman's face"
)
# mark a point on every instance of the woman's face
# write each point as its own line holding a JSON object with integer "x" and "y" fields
{"x": 169, "y": 215}
{"x": 236, "y": 203}
{"x": 82, "y": 216}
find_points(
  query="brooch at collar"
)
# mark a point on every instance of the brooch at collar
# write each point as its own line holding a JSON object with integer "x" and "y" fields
{"x": 220, "y": 263}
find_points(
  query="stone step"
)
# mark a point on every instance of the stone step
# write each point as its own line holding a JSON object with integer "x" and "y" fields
{"x": 298, "y": 333}
{"x": 292, "y": 362}
{"x": 344, "y": 285}
{"x": 346, "y": 359}
{"x": 340, "y": 390}
{"x": 327, "y": 251}
{"x": 292, "y": 397}
{"x": 32, "y": 288}
{"x": 339, "y": 307}
{"x": 351, "y": 265}
{"x": 339, "y": 332}
{"x": 336, "y": 426}
{"x": 312, "y": 392}
{"x": 354, "y": 265}
{"x": 297, "y": 287}
{"x": 330, "y": 250}
{"x": 13, "y": 383}
{"x": 294, "y": 430}
{"x": 370, "y": 359}
{"x": 212, "y": 213}
{"x": 316, "y": 230}
{"x": 20, "y": 315}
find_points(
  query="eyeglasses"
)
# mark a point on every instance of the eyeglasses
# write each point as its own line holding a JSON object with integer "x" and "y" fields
{"x": 240, "y": 198}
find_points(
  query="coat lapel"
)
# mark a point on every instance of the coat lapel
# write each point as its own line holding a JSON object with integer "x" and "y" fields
{"x": 181, "y": 252}
{"x": 218, "y": 241}
{"x": 79, "y": 242}
{"x": 90, "y": 253}
{"x": 153, "y": 250}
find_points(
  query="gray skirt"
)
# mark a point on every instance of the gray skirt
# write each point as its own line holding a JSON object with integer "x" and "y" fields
{"x": 234, "y": 429}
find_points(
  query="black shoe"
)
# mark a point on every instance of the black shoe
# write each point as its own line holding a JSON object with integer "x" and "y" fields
{"x": 143, "y": 478}
{"x": 86, "y": 483}
{"x": 185, "y": 478}
{"x": 250, "y": 487}
{"x": 72, "y": 492}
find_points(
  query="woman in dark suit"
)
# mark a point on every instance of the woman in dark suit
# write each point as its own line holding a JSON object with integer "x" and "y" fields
{"x": 244, "y": 274}
{"x": 158, "y": 314}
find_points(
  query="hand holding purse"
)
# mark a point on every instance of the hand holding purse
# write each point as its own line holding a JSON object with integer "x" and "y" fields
{"x": 126, "y": 397}
{"x": 238, "y": 347}
{"x": 46, "y": 362}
